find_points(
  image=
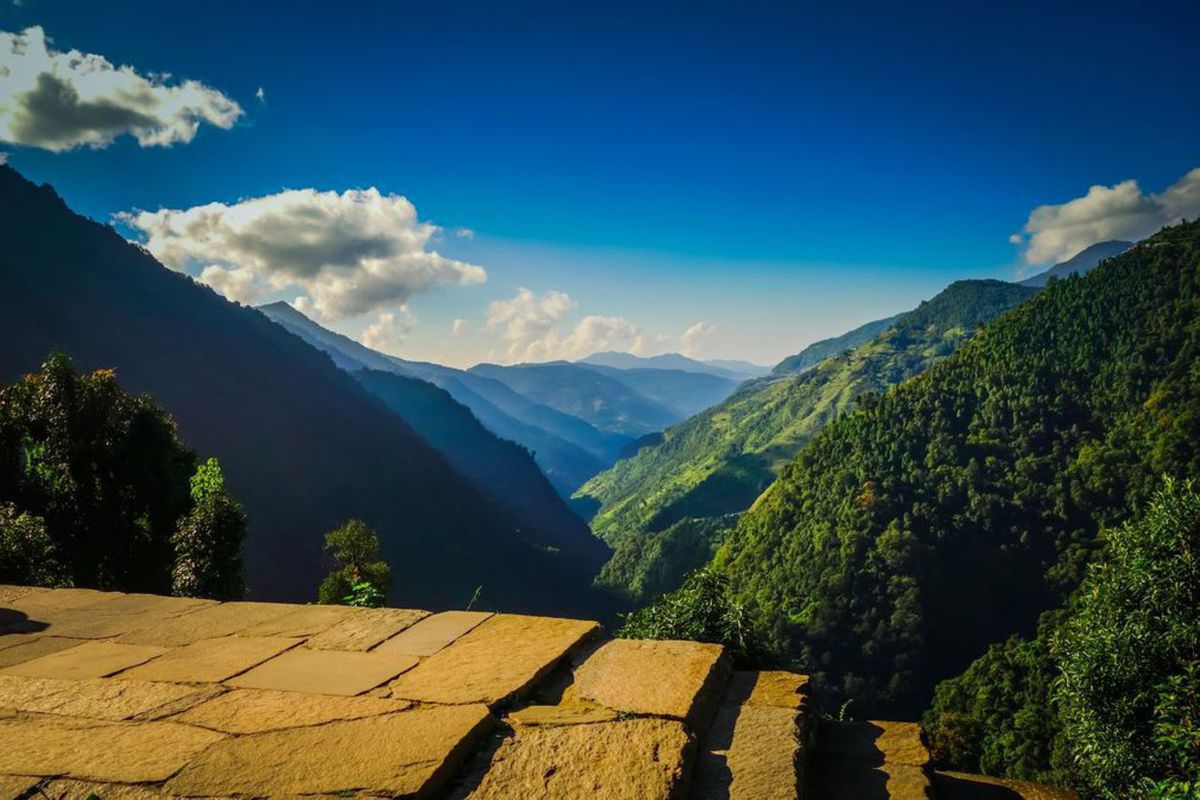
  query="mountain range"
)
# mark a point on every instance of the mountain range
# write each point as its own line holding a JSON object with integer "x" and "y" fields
{"x": 738, "y": 370}
{"x": 1081, "y": 263}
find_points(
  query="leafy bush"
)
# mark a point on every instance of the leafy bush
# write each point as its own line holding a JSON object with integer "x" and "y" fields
{"x": 354, "y": 549}
{"x": 208, "y": 542}
{"x": 27, "y": 553}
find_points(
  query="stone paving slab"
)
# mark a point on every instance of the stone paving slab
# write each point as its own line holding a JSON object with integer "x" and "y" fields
{"x": 119, "y": 615}
{"x": 960, "y": 786}
{"x": 89, "y": 790}
{"x": 210, "y": 660}
{"x": 324, "y": 672}
{"x": 366, "y": 629}
{"x": 123, "y": 752}
{"x": 112, "y": 700}
{"x": 681, "y": 680}
{"x": 769, "y": 688}
{"x": 206, "y": 623}
{"x": 35, "y": 646}
{"x": 494, "y": 662}
{"x": 408, "y": 754}
{"x": 301, "y": 621}
{"x": 840, "y": 778}
{"x": 88, "y": 660}
{"x": 433, "y": 633}
{"x": 876, "y": 741}
{"x": 636, "y": 759}
{"x": 16, "y": 785}
{"x": 257, "y": 711}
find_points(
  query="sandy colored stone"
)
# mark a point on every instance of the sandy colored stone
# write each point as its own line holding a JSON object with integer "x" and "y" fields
{"x": 432, "y": 633}
{"x": 83, "y": 790}
{"x": 100, "y": 699}
{"x": 494, "y": 662}
{"x": 8, "y": 640}
{"x": 123, "y": 752}
{"x": 751, "y": 752}
{"x": 256, "y": 711}
{"x": 876, "y": 742}
{"x": 88, "y": 660}
{"x": 366, "y": 629}
{"x": 769, "y": 688}
{"x": 121, "y": 614}
{"x": 10, "y": 592}
{"x": 961, "y": 786}
{"x": 576, "y": 713}
{"x": 17, "y": 785}
{"x": 324, "y": 672}
{"x": 854, "y": 779}
{"x": 636, "y": 759}
{"x": 35, "y": 646}
{"x": 407, "y": 754}
{"x": 210, "y": 660}
{"x": 206, "y": 623}
{"x": 301, "y": 621}
{"x": 37, "y": 611}
{"x": 667, "y": 678}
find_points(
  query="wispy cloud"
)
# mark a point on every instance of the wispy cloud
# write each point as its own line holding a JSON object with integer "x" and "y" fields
{"x": 65, "y": 100}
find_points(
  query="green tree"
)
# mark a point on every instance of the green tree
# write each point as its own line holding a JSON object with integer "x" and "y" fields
{"x": 354, "y": 549}
{"x": 1130, "y": 656}
{"x": 27, "y": 553}
{"x": 208, "y": 541}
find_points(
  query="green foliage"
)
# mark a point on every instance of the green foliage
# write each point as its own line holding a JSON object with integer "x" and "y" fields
{"x": 364, "y": 595}
{"x": 700, "y": 610}
{"x": 1130, "y": 655}
{"x": 950, "y": 513}
{"x": 648, "y": 566}
{"x": 208, "y": 541}
{"x": 354, "y": 549}
{"x": 27, "y": 553}
{"x": 718, "y": 462}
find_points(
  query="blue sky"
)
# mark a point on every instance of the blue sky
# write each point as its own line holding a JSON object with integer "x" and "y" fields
{"x": 778, "y": 172}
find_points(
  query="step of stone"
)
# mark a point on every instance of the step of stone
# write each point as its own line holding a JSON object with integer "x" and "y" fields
{"x": 961, "y": 786}
{"x": 872, "y": 760}
{"x": 755, "y": 747}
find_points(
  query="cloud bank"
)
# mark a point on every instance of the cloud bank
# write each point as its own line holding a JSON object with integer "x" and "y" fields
{"x": 1123, "y": 211}
{"x": 351, "y": 253}
{"x": 65, "y": 100}
{"x": 535, "y": 328}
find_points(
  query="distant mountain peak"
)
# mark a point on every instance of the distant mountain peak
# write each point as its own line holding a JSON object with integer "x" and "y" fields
{"x": 1082, "y": 262}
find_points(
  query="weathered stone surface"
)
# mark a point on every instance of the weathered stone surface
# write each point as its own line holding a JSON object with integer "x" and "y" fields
{"x": 432, "y": 633}
{"x": 120, "y": 614}
{"x": 854, "y": 779}
{"x": 257, "y": 711}
{"x": 566, "y": 713}
{"x": 36, "y": 610}
{"x": 17, "y": 785}
{"x": 751, "y": 752}
{"x": 88, "y": 660}
{"x": 636, "y": 759}
{"x": 406, "y": 754}
{"x": 769, "y": 688}
{"x": 324, "y": 672}
{"x": 210, "y": 660}
{"x": 123, "y": 752}
{"x": 10, "y": 593}
{"x": 35, "y": 646}
{"x": 8, "y": 640}
{"x": 961, "y": 786}
{"x": 301, "y": 621}
{"x": 669, "y": 679}
{"x": 876, "y": 742}
{"x": 99, "y": 699}
{"x": 366, "y": 629}
{"x": 206, "y": 623}
{"x": 85, "y": 790}
{"x": 497, "y": 660}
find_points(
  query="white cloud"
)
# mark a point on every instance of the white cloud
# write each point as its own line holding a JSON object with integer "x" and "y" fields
{"x": 261, "y": 94}
{"x": 534, "y": 328}
{"x": 350, "y": 253}
{"x": 697, "y": 339}
{"x": 464, "y": 233}
{"x": 1122, "y": 211}
{"x": 459, "y": 326}
{"x": 387, "y": 332}
{"x": 64, "y": 100}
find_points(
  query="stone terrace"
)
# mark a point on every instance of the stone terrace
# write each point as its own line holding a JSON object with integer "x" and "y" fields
{"x": 127, "y": 696}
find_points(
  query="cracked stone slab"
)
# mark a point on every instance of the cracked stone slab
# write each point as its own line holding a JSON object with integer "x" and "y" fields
{"x": 99, "y": 699}
{"x": 408, "y": 754}
{"x": 10, "y": 592}
{"x": 256, "y": 711}
{"x": 876, "y": 742}
{"x": 432, "y": 633}
{"x": 121, "y": 614}
{"x": 324, "y": 672}
{"x": 497, "y": 660}
{"x": 35, "y": 646}
{"x": 751, "y": 752}
{"x": 210, "y": 660}
{"x": 16, "y": 785}
{"x": 840, "y": 776}
{"x": 776, "y": 688}
{"x": 35, "y": 611}
{"x": 663, "y": 678}
{"x": 301, "y": 621}
{"x": 88, "y": 660}
{"x": 366, "y": 629}
{"x": 87, "y": 790}
{"x": 207, "y": 623}
{"x": 121, "y": 752}
{"x": 635, "y": 759}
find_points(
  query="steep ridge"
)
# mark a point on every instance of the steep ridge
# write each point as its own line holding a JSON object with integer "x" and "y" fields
{"x": 817, "y": 352}
{"x": 948, "y": 514}
{"x": 567, "y": 449}
{"x": 303, "y": 446}
{"x": 585, "y": 393}
{"x": 1081, "y": 263}
{"x": 684, "y": 393}
{"x": 716, "y": 463}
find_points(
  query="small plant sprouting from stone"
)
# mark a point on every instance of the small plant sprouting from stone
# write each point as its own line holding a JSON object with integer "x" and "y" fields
{"x": 474, "y": 597}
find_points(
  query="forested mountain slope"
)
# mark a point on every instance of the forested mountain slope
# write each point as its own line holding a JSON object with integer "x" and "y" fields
{"x": 738, "y": 370}
{"x": 568, "y": 450}
{"x": 681, "y": 391}
{"x": 718, "y": 462}
{"x": 817, "y": 352}
{"x": 1081, "y": 263}
{"x": 949, "y": 513}
{"x": 303, "y": 445}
